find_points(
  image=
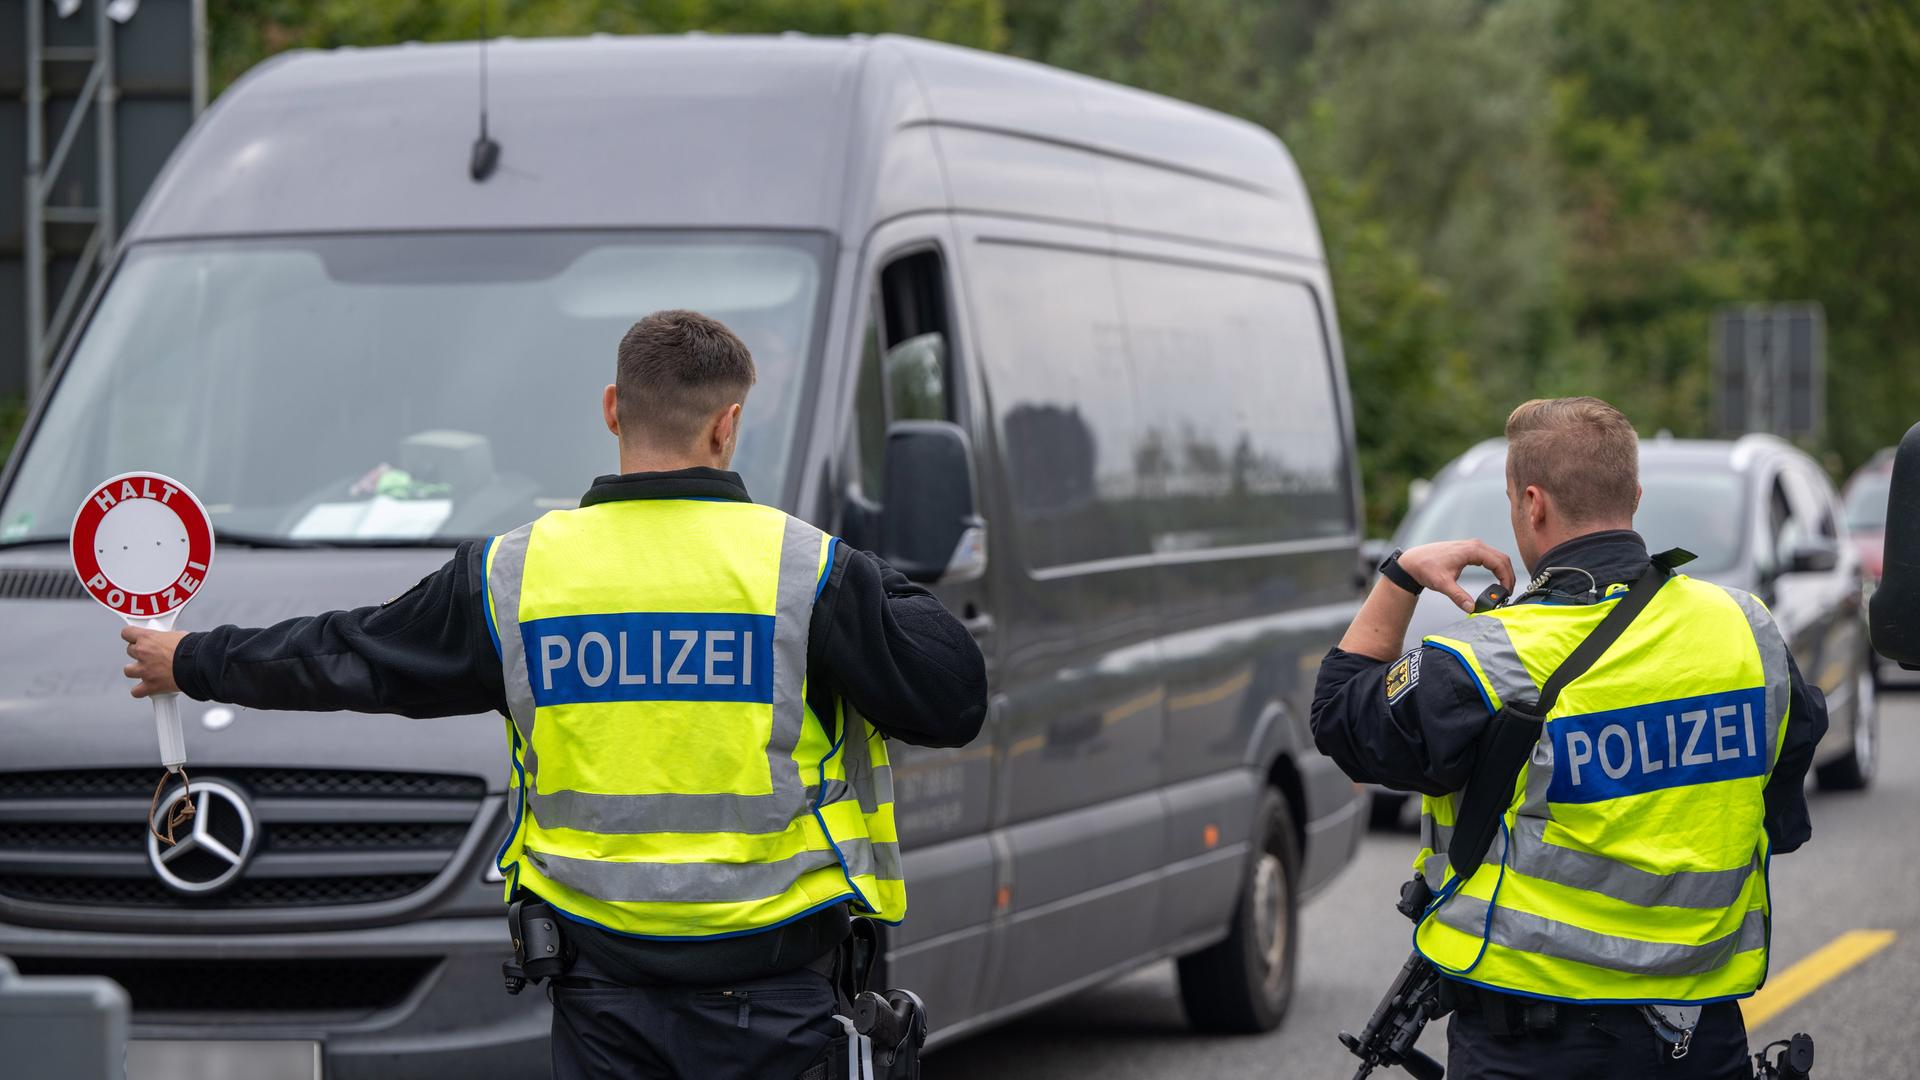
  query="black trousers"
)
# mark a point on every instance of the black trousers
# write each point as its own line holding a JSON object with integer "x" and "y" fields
{"x": 758, "y": 1029}
{"x": 1610, "y": 1044}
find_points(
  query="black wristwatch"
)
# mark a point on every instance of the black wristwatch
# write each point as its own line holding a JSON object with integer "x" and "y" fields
{"x": 1391, "y": 569}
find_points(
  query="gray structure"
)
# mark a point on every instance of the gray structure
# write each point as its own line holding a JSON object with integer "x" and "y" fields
{"x": 1118, "y": 303}
{"x": 1770, "y": 370}
{"x": 93, "y": 97}
{"x": 68, "y": 1026}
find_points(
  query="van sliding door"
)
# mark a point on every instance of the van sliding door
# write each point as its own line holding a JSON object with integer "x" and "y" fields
{"x": 1077, "y": 802}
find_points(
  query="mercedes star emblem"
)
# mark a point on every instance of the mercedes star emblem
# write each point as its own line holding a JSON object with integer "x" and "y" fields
{"x": 210, "y": 857}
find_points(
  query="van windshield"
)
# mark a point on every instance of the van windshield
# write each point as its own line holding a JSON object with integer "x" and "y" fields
{"x": 399, "y": 388}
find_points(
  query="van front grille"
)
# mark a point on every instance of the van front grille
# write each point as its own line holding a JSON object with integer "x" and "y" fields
{"x": 345, "y": 985}
{"x": 40, "y": 583}
{"x": 324, "y": 838}
{"x": 303, "y": 783}
{"x": 247, "y": 893}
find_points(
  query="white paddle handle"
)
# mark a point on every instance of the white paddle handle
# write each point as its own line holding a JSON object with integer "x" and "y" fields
{"x": 166, "y": 721}
{"x": 166, "y": 710}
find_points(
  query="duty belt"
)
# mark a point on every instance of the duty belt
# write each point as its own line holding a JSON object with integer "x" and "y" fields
{"x": 1511, "y": 1016}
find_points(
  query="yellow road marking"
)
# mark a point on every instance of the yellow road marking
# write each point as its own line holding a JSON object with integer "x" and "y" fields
{"x": 1827, "y": 963}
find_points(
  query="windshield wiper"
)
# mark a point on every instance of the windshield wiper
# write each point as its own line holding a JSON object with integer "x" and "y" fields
{"x": 399, "y": 541}
{"x": 33, "y": 541}
{"x": 270, "y": 541}
{"x": 261, "y": 540}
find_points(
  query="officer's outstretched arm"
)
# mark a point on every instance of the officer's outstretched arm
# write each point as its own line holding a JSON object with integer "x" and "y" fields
{"x": 423, "y": 653}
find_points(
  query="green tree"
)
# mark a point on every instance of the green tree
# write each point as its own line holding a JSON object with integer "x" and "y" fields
{"x": 13, "y": 413}
{"x": 1518, "y": 197}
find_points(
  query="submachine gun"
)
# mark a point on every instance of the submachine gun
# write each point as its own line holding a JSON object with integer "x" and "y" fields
{"x": 1412, "y": 1000}
{"x": 1794, "y": 1062}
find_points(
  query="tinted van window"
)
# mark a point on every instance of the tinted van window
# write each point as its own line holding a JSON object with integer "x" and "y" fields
{"x": 1240, "y": 439}
{"x": 1055, "y": 357}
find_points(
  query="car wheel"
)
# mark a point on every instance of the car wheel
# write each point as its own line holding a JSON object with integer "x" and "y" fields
{"x": 1244, "y": 984}
{"x": 1855, "y": 771}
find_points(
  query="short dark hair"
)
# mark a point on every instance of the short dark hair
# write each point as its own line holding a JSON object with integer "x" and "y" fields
{"x": 1581, "y": 451}
{"x": 677, "y": 369}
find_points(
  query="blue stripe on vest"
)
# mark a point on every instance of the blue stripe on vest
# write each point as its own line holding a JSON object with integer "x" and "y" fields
{"x": 1667, "y": 744}
{"x": 650, "y": 656}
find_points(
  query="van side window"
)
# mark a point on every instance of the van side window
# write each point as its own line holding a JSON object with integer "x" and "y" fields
{"x": 904, "y": 373}
{"x": 913, "y": 299}
{"x": 1241, "y": 440}
{"x": 1055, "y": 353}
{"x": 870, "y": 411}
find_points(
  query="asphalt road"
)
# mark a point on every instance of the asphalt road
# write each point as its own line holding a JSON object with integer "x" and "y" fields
{"x": 1861, "y": 872}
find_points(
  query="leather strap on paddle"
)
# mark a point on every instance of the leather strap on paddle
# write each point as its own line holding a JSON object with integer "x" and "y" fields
{"x": 1508, "y": 741}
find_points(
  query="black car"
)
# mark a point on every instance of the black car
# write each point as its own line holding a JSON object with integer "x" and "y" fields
{"x": 1760, "y": 516}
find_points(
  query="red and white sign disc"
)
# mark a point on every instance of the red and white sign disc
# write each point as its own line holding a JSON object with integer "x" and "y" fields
{"x": 142, "y": 545}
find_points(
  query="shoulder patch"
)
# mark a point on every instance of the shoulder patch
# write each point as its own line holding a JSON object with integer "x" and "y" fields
{"x": 1403, "y": 676}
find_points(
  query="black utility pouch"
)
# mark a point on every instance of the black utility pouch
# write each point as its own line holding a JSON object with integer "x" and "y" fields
{"x": 1505, "y": 747}
{"x": 540, "y": 946}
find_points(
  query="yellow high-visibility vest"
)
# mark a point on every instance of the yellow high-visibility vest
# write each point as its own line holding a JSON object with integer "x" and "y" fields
{"x": 1632, "y": 861}
{"x": 670, "y": 778}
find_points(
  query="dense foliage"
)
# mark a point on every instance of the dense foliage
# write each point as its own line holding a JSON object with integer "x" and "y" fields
{"x": 1519, "y": 197}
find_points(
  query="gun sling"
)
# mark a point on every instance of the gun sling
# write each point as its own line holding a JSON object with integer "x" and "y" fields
{"x": 1510, "y": 737}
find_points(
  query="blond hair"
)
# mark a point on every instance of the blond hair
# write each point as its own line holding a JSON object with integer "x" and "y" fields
{"x": 1581, "y": 451}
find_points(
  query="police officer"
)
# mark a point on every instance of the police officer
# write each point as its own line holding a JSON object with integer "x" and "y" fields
{"x": 693, "y": 790}
{"x": 1622, "y": 907}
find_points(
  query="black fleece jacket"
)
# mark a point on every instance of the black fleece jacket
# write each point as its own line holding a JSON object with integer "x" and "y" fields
{"x": 884, "y": 644}
{"x": 1425, "y": 736}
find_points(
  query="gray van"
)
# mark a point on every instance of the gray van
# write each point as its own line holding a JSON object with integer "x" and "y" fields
{"x": 1065, "y": 349}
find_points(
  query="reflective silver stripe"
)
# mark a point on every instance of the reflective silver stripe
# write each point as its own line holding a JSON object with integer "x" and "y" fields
{"x": 866, "y": 857}
{"x": 872, "y": 783}
{"x": 1437, "y": 837}
{"x": 793, "y": 615}
{"x": 883, "y": 785}
{"x": 1773, "y": 661}
{"x": 1545, "y": 937}
{"x": 886, "y": 861}
{"x": 1493, "y": 650}
{"x": 679, "y": 883}
{"x": 616, "y": 882}
{"x": 503, "y": 585}
{"x": 1536, "y": 858}
{"x": 710, "y": 813}
{"x": 1539, "y": 777}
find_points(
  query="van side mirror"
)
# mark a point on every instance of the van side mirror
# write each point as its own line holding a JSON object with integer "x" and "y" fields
{"x": 1893, "y": 615}
{"x": 930, "y": 529}
{"x": 1373, "y": 552}
{"x": 1813, "y": 556}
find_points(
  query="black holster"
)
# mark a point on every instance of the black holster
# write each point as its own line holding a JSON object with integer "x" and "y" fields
{"x": 540, "y": 946}
{"x": 882, "y": 1032}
